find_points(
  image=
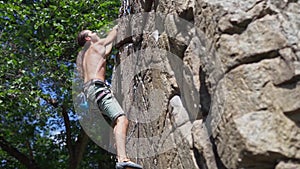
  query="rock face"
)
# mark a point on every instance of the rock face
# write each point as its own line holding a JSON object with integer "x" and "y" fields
{"x": 211, "y": 83}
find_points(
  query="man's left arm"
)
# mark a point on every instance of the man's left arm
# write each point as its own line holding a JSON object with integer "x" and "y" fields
{"x": 112, "y": 35}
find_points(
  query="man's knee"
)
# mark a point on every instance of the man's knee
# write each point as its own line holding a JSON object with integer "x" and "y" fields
{"x": 122, "y": 120}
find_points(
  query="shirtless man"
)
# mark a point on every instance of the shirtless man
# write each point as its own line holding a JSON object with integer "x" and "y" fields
{"x": 91, "y": 62}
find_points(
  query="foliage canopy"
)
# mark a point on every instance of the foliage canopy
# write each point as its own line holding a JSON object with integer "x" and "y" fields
{"x": 39, "y": 128}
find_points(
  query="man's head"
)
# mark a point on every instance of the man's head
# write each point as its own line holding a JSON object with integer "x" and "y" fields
{"x": 87, "y": 35}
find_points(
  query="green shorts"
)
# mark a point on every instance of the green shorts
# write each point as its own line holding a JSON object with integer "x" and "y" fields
{"x": 99, "y": 93}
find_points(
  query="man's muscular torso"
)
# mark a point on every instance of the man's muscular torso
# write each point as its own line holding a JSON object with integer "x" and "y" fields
{"x": 94, "y": 61}
{"x": 91, "y": 60}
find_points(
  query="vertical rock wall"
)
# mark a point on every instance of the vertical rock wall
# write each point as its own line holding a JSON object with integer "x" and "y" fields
{"x": 212, "y": 83}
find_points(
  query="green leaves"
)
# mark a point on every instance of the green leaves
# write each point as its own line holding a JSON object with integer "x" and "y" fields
{"x": 38, "y": 50}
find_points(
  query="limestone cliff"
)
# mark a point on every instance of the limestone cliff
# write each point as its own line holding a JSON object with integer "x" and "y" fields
{"x": 211, "y": 83}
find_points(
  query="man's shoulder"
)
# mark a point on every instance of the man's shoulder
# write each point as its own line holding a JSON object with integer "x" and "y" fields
{"x": 97, "y": 48}
{"x": 97, "y": 44}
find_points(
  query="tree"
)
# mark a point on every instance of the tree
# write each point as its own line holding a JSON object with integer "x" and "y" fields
{"x": 39, "y": 128}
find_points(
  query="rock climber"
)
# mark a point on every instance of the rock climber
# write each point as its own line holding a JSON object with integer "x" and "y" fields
{"x": 91, "y": 64}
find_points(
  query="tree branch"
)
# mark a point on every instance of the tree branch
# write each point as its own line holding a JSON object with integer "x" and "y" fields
{"x": 68, "y": 130}
{"x": 22, "y": 158}
{"x": 76, "y": 150}
{"x": 81, "y": 144}
{"x": 51, "y": 101}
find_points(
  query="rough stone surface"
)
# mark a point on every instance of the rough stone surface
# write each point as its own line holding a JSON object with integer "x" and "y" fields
{"x": 287, "y": 165}
{"x": 216, "y": 82}
{"x": 203, "y": 147}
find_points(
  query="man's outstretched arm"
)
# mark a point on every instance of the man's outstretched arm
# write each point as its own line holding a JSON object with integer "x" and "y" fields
{"x": 111, "y": 36}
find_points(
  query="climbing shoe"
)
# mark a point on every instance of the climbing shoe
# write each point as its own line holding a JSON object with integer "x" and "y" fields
{"x": 129, "y": 164}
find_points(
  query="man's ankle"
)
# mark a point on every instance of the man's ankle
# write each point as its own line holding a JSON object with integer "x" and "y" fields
{"x": 125, "y": 159}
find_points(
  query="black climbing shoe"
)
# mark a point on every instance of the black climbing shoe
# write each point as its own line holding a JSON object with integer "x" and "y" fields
{"x": 130, "y": 164}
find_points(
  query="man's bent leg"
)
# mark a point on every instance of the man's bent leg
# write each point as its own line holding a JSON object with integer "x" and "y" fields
{"x": 111, "y": 108}
{"x": 120, "y": 130}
